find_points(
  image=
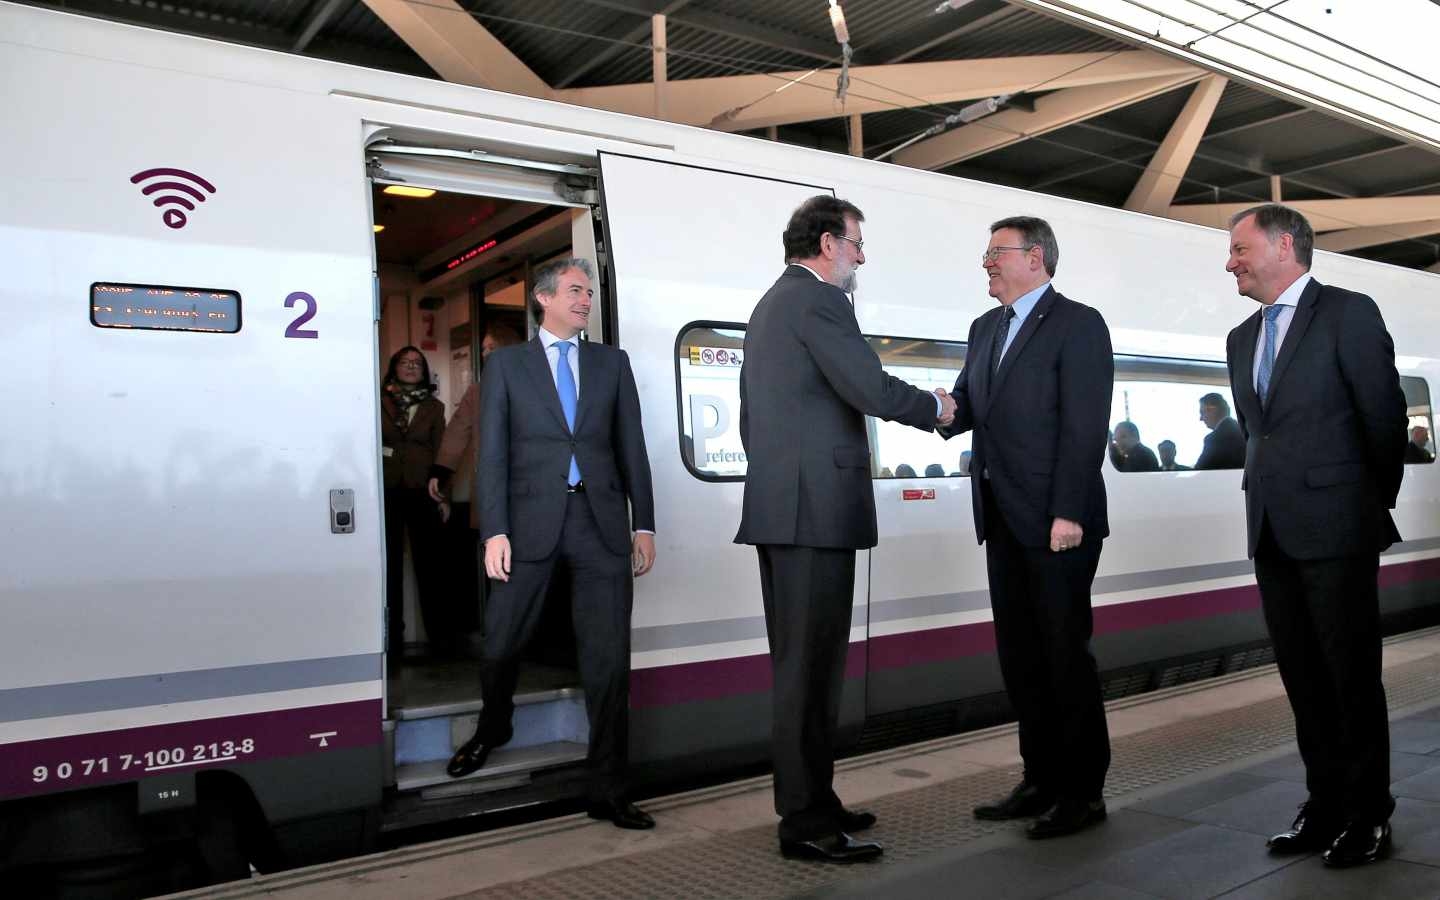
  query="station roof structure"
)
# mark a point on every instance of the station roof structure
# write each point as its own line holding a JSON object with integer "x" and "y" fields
{"x": 1033, "y": 100}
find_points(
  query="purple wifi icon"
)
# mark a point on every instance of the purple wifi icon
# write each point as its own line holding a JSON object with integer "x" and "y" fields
{"x": 174, "y": 182}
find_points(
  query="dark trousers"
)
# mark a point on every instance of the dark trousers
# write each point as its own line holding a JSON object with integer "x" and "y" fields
{"x": 462, "y": 568}
{"x": 1324, "y": 620}
{"x": 411, "y": 510}
{"x": 600, "y": 601}
{"x": 808, "y": 592}
{"x": 1043, "y": 625}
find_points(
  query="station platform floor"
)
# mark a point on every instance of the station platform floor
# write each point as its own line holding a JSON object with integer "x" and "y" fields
{"x": 1200, "y": 775}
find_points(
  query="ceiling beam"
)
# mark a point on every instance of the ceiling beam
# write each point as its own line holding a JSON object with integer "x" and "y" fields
{"x": 731, "y": 26}
{"x": 1254, "y": 165}
{"x": 1353, "y": 153}
{"x": 1052, "y": 111}
{"x": 320, "y": 15}
{"x": 1254, "y": 119}
{"x": 1325, "y": 215}
{"x": 743, "y": 102}
{"x": 963, "y": 21}
{"x": 1355, "y": 238}
{"x": 1155, "y": 191}
{"x": 618, "y": 38}
{"x": 457, "y": 46}
{"x": 1089, "y": 166}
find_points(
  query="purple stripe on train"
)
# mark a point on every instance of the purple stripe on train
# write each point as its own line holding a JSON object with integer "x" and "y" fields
{"x": 712, "y": 679}
{"x": 128, "y": 754}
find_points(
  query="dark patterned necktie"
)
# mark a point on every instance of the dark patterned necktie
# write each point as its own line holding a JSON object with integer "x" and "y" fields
{"x": 998, "y": 349}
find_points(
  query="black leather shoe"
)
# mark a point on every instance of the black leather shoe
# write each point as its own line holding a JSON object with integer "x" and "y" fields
{"x": 471, "y": 756}
{"x": 1358, "y": 844}
{"x": 839, "y": 847}
{"x": 622, "y": 813}
{"x": 856, "y": 820}
{"x": 1311, "y": 832}
{"x": 1024, "y": 801}
{"x": 1068, "y": 817}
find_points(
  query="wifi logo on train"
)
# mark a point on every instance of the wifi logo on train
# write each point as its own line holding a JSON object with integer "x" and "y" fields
{"x": 173, "y": 183}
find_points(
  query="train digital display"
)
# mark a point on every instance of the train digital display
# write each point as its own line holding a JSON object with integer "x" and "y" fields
{"x": 157, "y": 307}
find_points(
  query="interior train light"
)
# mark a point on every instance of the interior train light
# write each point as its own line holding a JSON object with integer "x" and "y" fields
{"x": 379, "y": 228}
{"x": 404, "y": 190}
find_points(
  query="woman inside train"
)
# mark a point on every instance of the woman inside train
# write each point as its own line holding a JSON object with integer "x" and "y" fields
{"x": 412, "y": 423}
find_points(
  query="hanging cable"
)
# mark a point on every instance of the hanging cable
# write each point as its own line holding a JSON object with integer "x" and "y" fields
{"x": 842, "y": 37}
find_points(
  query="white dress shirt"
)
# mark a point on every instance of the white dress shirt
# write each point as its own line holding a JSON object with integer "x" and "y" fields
{"x": 1023, "y": 306}
{"x": 1288, "y": 299}
{"x": 552, "y": 356}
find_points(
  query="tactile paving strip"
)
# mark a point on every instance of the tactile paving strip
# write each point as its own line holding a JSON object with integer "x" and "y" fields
{"x": 935, "y": 817}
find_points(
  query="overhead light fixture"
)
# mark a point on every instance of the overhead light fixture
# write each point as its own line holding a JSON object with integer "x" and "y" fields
{"x": 951, "y": 4}
{"x": 379, "y": 228}
{"x": 405, "y": 190}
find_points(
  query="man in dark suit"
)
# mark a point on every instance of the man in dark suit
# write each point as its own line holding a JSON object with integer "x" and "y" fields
{"x": 1319, "y": 401}
{"x": 565, "y": 477}
{"x": 1415, "y": 450}
{"x": 1225, "y": 444}
{"x": 1036, "y": 390}
{"x": 1167, "y": 458}
{"x": 1128, "y": 454}
{"x": 808, "y": 381}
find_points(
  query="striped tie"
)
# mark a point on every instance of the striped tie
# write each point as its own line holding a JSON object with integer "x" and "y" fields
{"x": 1267, "y": 352}
{"x": 565, "y": 384}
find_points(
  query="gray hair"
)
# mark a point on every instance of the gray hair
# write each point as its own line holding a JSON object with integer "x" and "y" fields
{"x": 1275, "y": 220}
{"x": 1034, "y": 232}
{"x": 547, "y": 280}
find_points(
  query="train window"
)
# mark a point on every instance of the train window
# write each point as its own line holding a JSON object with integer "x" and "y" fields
{"x": 708, "y": 356}
{"x": 899, "y": 451}
{"x": 1421, "y": 446}
{"x": 1172, "y": 415}
{"x": 160, "y": 308}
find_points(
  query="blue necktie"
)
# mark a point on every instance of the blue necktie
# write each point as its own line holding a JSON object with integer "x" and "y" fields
{"x": 565, "y": 384}
{"x": 1267, "y": 351}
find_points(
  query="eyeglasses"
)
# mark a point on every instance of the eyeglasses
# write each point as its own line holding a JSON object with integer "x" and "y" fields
{"x": 859, "y": 245}
{"x": 993, "y": 253}
{"x": 415, "y": 363}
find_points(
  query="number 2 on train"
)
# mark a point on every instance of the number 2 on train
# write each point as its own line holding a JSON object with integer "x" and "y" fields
{"x": 294, "y": 330}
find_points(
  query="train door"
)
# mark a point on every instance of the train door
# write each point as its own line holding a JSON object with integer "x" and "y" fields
{"x": 456, "y": 243}
{"x": 693, "y": 250}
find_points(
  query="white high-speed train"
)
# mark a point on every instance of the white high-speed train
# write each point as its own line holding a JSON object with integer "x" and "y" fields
{"x": 191, "y": 542}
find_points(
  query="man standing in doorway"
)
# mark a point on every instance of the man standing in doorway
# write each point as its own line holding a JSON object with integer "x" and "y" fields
{"x": 1036, "y": 389}
{"x": 808, "y": 381}
{"x": 565, "y": 478}
{"x": 1319, "y": 401}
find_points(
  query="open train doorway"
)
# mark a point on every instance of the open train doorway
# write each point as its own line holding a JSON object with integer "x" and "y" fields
{"x": 454, "y": 277}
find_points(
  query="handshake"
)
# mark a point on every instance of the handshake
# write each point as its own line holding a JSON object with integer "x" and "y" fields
{"x": 947, "y": 407}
